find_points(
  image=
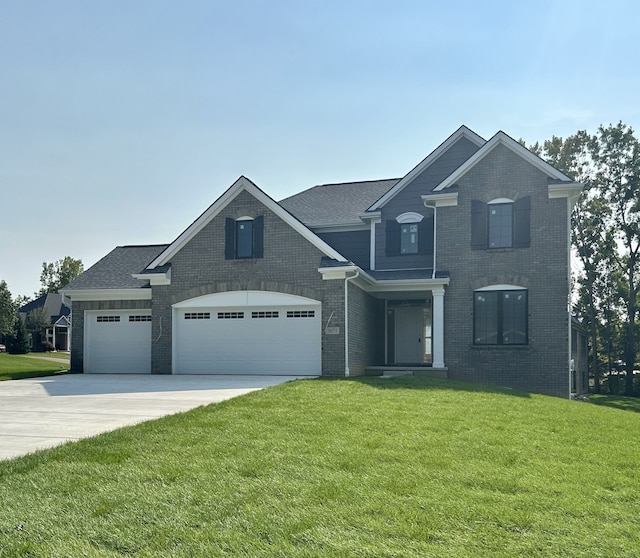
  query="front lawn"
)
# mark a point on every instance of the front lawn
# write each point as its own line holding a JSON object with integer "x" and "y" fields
{"x": 16, "y": 367}
{"x": 364, "y": 467}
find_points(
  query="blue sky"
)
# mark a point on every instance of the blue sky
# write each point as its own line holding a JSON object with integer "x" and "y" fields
{"x": 120, "y": 122}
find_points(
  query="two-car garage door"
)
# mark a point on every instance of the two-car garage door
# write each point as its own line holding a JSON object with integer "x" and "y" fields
{"x": 247, "y": 332}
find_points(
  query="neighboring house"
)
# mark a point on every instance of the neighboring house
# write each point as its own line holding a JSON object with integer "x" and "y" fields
{"x": 58, "y": 333}
{"x": 458, "y": 269}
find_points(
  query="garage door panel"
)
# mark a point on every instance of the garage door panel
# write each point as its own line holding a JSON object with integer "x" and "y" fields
{"x": 118, "y": 342}
{"x": 248, "y": 340}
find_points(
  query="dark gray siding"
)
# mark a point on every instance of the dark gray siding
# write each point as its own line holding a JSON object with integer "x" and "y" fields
{"x": 409, "y": 200}
{"x": 353, "y": 245}
{"x": 542, "y": 366}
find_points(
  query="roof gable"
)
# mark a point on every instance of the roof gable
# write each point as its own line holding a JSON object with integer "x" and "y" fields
{"x": 241, "y": 185}
{"x": 507, "y": 141}
{"x": 462, "y": 132}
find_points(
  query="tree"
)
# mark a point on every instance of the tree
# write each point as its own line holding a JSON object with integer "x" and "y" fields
{"x": 59, "y": 274}
{"x": 18, "y": 341}
{"x": 37, "y": 319}
{"x": 7, "y": 310}
{"x": 606, "y": 236}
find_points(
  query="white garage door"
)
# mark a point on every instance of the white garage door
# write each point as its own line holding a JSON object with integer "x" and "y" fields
{"x": 248, "y": 332}
{"x": 117, "y": 342}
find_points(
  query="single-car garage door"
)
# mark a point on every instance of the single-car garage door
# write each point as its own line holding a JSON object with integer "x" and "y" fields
{"x": 247, "y": 332}
{"x": 117, "y": 342}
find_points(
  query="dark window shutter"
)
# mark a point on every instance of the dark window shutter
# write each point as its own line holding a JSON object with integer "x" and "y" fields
{"x": 258, "y": 237}
{"x": 522, "y": 223}
{"x": 393, "y": 238}
{"x": 478, "y": 225}
{"x": 425, "y": 236}
{"x": 229, "y": 239}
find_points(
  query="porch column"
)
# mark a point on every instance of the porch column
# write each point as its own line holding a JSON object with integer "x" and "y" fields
{"x": 438, "y": 327}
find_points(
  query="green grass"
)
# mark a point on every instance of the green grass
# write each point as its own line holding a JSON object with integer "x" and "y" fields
{"x": 367, "y": 468}
{"x": 16, "y": 367}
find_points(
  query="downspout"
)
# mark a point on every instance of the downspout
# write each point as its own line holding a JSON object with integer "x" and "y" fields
{"x": 435, "y": 228}
{"x": 346, "y": 322}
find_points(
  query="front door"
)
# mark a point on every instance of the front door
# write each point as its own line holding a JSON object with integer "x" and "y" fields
{"x": 409, "y": 335}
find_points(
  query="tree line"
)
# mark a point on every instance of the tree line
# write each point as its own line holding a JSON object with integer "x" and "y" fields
{"x": 13, "y": 329}
{"x": 606, "y": 243}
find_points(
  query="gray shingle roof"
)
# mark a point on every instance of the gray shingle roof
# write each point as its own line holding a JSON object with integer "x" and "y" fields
{"x": 115, "y": 269}
{"x": 336, "y": 204}
{"x": 53, "y": 303}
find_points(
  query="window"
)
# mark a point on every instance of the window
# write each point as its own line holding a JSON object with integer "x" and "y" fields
{"x": 301, "y": 313}
{"x": 500, "y": 225}
{"x": 244, "y": 238}
{"x": 265, "y": 314}
{"x": 500, "y": 317}
{"x": 409, "y": 238}
{"x": 197, "y": 316}
{"x": 230, "y": 315}
{"x": 144, "y": 318}
{"x": 107, "y": 319}
{"x": 409, "y": 234}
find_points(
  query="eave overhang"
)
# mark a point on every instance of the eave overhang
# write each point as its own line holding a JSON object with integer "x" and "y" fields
{"x": 372, "y": 285}
{"x": 109, "y": 294}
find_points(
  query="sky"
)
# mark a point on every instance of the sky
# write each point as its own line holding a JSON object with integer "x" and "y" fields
{"x": 122, "y": 121}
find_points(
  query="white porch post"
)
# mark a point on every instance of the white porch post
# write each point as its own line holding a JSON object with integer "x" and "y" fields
{"x": 438, "y": 327}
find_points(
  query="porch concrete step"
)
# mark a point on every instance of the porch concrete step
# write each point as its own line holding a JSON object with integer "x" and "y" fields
{"x": 395, "y": 371}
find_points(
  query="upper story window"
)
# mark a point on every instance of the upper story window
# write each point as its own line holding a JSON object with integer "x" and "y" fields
{"x": 409, "y": 233}
{"x": 500, "y": 316}
{"x": 244, "y": 238}
{"x": 501, "y": 223}
{"x": 409, "y": 238}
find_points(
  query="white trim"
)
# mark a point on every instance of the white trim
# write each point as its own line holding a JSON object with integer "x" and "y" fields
{"x": 372, "y": 244}
{"x": 240, "y": 299}
{"x": 370, "y": 284}
{"x": 446, "y": 199}
{"x": 502, "y": 288}
{"x": 109, "y": 294}
{"x": 245, "y": 218}
{"x": 499, "y": 200}
{"x": 409, "y": 217}
{"x": 461, "y": 132}
{"x": 154, "y": 278}
{"x": 501, "y": 139}
{"x": 239, "y": 186}
{"x": 571, "y": 191}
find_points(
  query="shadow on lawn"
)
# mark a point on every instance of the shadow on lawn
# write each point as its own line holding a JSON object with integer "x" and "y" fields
{"x": 616, "y": 402}
{"x": 426, "y": 383}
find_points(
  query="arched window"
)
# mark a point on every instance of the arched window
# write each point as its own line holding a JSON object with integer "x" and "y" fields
{"x": 500, "y": 221}
{"x": 244, "y": 238}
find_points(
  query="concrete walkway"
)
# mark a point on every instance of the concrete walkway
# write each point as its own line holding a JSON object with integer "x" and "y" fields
{"x": 42, "y": 412}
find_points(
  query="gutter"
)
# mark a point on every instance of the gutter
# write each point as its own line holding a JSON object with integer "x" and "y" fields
{"x": 346, "y": 321}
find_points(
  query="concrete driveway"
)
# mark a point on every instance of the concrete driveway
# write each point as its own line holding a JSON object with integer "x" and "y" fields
{"x": 43, "y": 412}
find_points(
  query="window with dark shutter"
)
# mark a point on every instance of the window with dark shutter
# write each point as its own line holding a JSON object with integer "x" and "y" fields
{"x": 425, "y": 236}
{"x": 244, "y": 238}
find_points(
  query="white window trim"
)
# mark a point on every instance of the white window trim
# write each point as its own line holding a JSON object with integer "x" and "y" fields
{"x": 409, "y": 217}
{"x": 500, "y": 200}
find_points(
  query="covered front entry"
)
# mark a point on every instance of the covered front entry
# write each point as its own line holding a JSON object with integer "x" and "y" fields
{"x": 247, "y": 332}
{"x": 414, "y": 328}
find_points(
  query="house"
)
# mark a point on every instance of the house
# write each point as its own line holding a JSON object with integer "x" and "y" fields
{"x": 458, "y": 269}
{"x": 57, "y": 309}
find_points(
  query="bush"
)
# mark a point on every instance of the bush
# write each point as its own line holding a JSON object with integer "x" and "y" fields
{"x": 47, "y": 346}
